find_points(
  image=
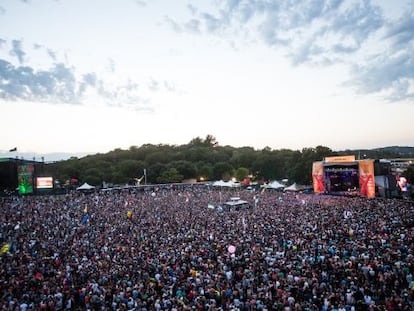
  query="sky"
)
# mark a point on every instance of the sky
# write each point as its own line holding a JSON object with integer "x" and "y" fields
{"x": 86, "y": 77}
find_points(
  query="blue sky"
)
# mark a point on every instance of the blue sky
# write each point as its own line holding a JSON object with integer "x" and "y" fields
{"x": 90, "y": 76}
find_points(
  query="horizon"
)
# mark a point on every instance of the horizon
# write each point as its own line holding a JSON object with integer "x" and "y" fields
{"x": 260, "y": 74}
{"x": 62, "y": 156}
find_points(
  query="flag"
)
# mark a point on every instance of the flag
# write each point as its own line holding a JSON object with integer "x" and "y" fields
{"x": 13, "y": 149}
{"x": 38, "y": 276}
{"x": 5, "y": 248}
{"x": 85, "y": 218}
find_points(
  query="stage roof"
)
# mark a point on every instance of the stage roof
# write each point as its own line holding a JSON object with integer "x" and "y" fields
{"x": 353, "y": 163}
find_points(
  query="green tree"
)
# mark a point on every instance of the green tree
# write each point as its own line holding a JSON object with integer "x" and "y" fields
{"x": 210, "y": 140}
{"x": 268, "y": 165}
{"x": 205, "y": 171}
{"x": 170, "y": 175}
{"x": 118, "y": 178}
{"x": 154, "y": 171}
{"x": 92, "y": 176}
{"x": 222, "y": 170}
{"x": 241, "y": 173}
{"x": 129, "y": 168}
{"x": 185, "y": 168}
{"x": 69, "y": 169}
{"x": 243, "y": 157}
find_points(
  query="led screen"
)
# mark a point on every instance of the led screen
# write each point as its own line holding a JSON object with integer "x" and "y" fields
{"x": 44, "y": 182}
{"x": 25, "y": 178}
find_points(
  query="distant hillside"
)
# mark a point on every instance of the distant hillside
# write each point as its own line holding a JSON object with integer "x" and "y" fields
{"x": 404, "y": 152}
{"x": 381, "y": 153}
{"x": 376, "y": 153}
{"x": 201, "y": 159}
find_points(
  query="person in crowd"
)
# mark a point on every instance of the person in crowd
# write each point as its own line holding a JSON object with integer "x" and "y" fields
{"x": 167, "y": 249}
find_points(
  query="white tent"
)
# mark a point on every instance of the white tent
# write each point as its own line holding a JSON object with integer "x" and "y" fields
{"x": 293, "y": 187}
{"x": 236, "y": 204}
{"x": 275, "y": 185}
{"x": 85, "y": 186}
{"x": 221, "y": 183}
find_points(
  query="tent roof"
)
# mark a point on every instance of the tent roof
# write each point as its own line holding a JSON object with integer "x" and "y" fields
{"x": 236, "y": 203}
{"x": 275, "y": 185}
{"x": 85, "y": 186}
{"x": 221, "y": 183}
{"x": 293, "y": 187}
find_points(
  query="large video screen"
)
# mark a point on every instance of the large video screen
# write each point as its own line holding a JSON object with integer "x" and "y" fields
{"x": 402, "y": 183}
{"x": 25, "y": 178}
{"x": 44, "y": 182}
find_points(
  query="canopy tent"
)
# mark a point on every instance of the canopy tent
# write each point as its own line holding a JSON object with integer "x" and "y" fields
{"x": 293, "y": 187}
{"x": 85, "y": 186}
{"x": 275, "y": 185}
{"x": 221, "y": 183}
{"x": 236, "y": 204}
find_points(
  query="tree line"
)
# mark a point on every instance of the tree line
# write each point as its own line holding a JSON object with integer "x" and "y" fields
{"x": 200, "y": 159}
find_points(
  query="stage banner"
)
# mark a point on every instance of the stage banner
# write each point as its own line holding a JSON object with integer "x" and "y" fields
{"x": 366, "y": 178}
{"x": 336, "y": 159}
{"x": 317, "y": 177}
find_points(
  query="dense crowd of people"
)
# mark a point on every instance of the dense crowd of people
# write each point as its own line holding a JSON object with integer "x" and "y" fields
{"x": 168, "y": 249}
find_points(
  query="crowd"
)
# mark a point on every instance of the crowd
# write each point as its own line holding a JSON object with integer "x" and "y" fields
{"x": 166, "y": 249}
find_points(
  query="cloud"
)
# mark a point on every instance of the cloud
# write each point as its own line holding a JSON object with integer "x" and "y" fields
{"x": 331, "y": 35}
{"x": 357, "y": 22}
{"x": 389, "y": 72}
{"x": 212, "y": 23}
{"x": 328, "y": 28}
{"x": 58, "y": 84}
{"x": 52, "y": 54}
{"x": 140, "y": 3}
{"x": 322, "y": 32}
{"x": 2, "y": 10}
{"x": 193, "y": 25}
{"x": 173, "y": 24}
{"x": 331, "y": 26}
{"x": 17, "y": 51}
{"x": 61, "y": 84}
{"x": 154, "y": 85}
{"x": 192, "y": 9}
{"x": 401, "y": 32}
{"x": 88, "y": 80}
{"x": 111, "y": 65}
{"x": 170, "y": 87}
{"x": 124, "y": 96}
{"x": 157, "y": 86}
{"x": 392, "y": 74}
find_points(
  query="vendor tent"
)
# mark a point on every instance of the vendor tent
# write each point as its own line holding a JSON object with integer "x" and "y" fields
{"x": 85, "y": 186}
{"x": 293, "y": 187}
{"x": 221, "y": 183}
{"x": 275, "y": 185}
